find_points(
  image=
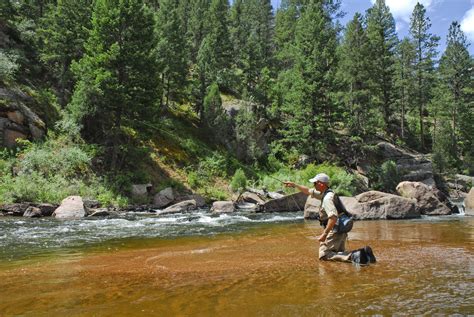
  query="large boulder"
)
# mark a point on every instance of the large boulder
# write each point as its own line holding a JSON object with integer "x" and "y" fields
{"x": 293, "y": 202}
{"x": 253, "y": 198}
{"x": 71, "y": 207}
{"x": 311, "y": 208}
{"x": 428, "y": 199}
{"x": 163, "y": 198}
{"x": 378, "y": 205}
{"x": 222, "y": 207}
{"x": 469, "y": 203}
{"x": 180, "y": 207}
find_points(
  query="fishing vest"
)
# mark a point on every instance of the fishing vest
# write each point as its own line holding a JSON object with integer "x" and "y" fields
{"x": 345, "y": 219}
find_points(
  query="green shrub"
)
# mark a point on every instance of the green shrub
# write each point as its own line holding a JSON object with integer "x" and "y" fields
{"x": 51, "y": 171}
{"x": 342, "y": 182}
{"x": 386, "y": 177}
{"x": 239, "y": 180}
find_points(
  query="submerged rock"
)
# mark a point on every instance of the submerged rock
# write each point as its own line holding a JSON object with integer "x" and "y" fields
{"x": 71, "y": 207}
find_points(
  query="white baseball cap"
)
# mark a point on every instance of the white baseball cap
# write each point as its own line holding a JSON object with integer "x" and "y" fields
{"x": 321, "y": 177}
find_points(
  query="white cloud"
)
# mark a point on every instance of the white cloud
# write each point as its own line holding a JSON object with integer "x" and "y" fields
{"x": 467, "y": 23}
{"x": 402, "y": 9}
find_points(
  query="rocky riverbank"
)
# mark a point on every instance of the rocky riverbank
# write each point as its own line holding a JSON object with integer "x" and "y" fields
{"x": 413, "y": 200}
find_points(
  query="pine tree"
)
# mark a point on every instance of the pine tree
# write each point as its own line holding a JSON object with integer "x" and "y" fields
{"x": 354, "y": 68}
{"x": 404, "y": 81}
{"x": 214, "y": 56}
{"x": 251, "y": 35}
{"x": 382, "y": 40}
{"x": 425, "y": 48}
{"x": 118, "y": 81}
{"x": 63, "y": 31}
{"x": 307, "y": 105}
{"x": 171, "y": 50}
{"x": 453, "y": 120}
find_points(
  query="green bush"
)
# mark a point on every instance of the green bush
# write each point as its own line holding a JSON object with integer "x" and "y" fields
{"x": 51, "y": 171}
{"x": 386, "y": 177}
{"x": 239, "y": 180}
{"x": 342, "y": 182}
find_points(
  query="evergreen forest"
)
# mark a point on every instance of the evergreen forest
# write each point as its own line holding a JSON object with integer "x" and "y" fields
{"x": 212, "y": 96}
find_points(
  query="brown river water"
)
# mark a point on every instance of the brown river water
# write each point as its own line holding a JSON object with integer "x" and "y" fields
{"x": 423, "y": 267}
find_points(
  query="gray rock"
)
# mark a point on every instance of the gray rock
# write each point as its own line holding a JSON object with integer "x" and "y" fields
{"x": 378, "y": 205}
{"x": 71, "y": 207}
{"x": 200, "y": 201}
{"x": 163, "y": 198}
{"x": 275, "y": 195}
{"x": 222, "y": 207}
{"x": 252, "y": 198}
{"x": 293, "y": 202}
{"x": 248, "y": 207}
{"x": 311, "y": 208}
{"x": 32, "y": 212}
{"x": 91, "y": 203}
{"x": 15, "y": 209}
{"x": 141, "y": 191}
{"x": 469, "y": 203}
{"x": 183, "y": 206}
{"x": 102, "y": 212}
{"x": 428, "y": 200}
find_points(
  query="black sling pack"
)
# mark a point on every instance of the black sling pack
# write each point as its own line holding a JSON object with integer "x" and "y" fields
{"x": 345, "y": 220}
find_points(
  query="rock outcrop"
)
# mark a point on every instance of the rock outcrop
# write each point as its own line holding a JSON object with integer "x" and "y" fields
{"x": 17, "y": 120}
{"x": 414, "y": 166}
{"x": 428, "y": 202}
{"x": 71, "y": 207}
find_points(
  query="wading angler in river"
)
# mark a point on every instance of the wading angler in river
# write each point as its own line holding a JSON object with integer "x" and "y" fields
{"x": 337, "y": 222}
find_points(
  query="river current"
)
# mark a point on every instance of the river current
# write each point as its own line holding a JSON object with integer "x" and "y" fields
{"x": 231, "y": 265}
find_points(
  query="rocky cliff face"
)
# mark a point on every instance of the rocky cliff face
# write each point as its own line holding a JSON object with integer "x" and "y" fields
{"x": 17, "y": 120}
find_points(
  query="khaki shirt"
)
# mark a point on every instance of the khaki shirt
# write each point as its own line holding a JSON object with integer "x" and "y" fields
{"x": 327, "y": 208}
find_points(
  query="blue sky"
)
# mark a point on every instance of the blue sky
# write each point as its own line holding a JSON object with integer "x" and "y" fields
{"x": 440, "y": 12}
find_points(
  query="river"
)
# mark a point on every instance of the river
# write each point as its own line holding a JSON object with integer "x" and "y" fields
{"x": 231, "y": 265}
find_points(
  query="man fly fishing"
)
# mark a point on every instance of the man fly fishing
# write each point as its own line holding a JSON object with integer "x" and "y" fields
{"x": 336, "y": 222}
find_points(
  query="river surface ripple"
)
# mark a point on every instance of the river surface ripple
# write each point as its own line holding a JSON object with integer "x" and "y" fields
{"x": 231, "y": 265}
